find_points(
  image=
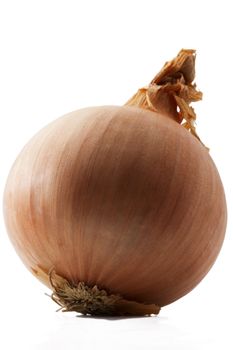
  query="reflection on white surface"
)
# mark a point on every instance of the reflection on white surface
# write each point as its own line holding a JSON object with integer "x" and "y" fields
{"x": 40, "y": 328}
{"x": 143, "y": 333}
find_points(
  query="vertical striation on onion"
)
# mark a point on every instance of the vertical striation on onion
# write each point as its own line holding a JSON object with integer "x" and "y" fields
{"x": 120, "y": 210}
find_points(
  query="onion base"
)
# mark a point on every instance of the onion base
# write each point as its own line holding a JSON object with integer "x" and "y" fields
{"x": 94, "y": 301}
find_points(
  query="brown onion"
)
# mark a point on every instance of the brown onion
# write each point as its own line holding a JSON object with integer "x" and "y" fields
{"x": 120, "y": 210}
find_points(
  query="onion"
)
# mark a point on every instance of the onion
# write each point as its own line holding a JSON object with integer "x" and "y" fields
{"x": 120, "y": 210}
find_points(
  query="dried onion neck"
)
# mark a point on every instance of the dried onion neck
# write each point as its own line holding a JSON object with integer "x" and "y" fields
{"x": 172, "y": 89}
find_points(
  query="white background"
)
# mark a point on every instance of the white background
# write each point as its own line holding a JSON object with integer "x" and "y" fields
{"x": 58, "y": 56}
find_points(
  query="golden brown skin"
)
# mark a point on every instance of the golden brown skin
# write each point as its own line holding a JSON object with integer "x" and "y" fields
{"x": 120, "y": 197}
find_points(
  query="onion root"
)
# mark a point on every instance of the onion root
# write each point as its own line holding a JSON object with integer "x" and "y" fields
{"x": 94, "y": 301}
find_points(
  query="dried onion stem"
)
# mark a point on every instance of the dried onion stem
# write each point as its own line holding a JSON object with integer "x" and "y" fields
{"x": 172, "y": 87}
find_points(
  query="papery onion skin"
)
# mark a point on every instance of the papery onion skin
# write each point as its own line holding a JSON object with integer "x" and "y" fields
{"x": 118, "y": 197}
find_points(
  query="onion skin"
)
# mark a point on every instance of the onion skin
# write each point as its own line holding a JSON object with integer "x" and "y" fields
{"x": 119, "y": 197}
